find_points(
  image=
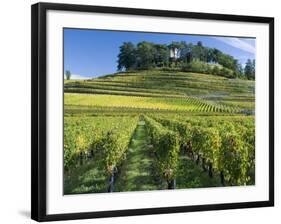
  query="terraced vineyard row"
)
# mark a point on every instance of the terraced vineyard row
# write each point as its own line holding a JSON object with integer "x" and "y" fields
{"x": 172, "y": 81}
{"x": 163, "y": 87}
{"x": 112, "y": 86}
{"x": 217, "y": 94}
{"x": 191, "y": 104}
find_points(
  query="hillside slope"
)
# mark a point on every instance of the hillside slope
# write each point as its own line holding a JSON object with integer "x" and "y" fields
{"x": 161, "y": 90}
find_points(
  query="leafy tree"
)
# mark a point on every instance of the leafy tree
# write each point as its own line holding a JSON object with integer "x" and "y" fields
{"x": 249, "y": 69}
{"x": 210, "y": 55}
{"x": 215, "y": 55}
{"x": 186, "y": 53}
{"x": 199, "y": 44}
{"x": 161, "y": 55}
{"x": 227, "y": 61}
{"x": 240, "y": 70}
{"x": 200, "y": 52}
{"x": 145, "y": 55}
{"x": 68, "y": 74}
{"x": 254, "y": 68}
{"x": 127, "y": 56}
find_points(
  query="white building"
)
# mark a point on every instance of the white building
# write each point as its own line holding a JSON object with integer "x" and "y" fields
{"x": 174, "y": 53}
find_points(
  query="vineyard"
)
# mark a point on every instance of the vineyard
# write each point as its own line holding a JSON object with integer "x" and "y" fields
{"x": 155, "y": 130}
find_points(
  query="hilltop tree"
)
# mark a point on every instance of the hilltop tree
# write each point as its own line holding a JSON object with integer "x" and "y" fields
{"x": 254, "y": 67}
{"x": 216, "y": 53}
{"x": 68, "y": 74}
{"x": 186, "y": 53}
{"x": 240, "y": 70}
{"x": 249, "y": 69}
{"x": 213, "y": 55}
{"x": 200, "y": 52}
{"x": 161, "y": 55}
{"x": 145, "y": 55}
{"x": 127, "y": 56}
{"x": 210, "y": 55}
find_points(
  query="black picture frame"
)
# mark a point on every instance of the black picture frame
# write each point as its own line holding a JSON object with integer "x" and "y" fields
{"x": 39, "y": 122}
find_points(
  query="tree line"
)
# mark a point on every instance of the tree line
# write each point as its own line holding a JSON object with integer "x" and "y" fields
{"x": 182, "y": 56}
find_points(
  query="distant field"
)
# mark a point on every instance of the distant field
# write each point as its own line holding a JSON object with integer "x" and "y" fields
{"x": 167, "y": 83}
{"x": 153, "y": 103}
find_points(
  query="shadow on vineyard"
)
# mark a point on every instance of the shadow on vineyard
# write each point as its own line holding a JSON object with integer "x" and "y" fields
{"x": 190, "y": 175}
{"x": 86, "y": 178}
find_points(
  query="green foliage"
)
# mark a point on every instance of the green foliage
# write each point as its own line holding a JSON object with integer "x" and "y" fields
{"x": 183, "y": 128}
{"x": 235, "y": 156}
{"x": 195, "y": 66}
{"x": 229, "y": 145}
{"x": 202, "y": 67}
{"x": 146, "y": 54}
{"x": 104, "y": 135}
{"x": 189, "y": 57}
{"x": 228, "y": 73}
{"x": 161, "y": 56}
{"x": 206, "y": 142}
{"x": 127, "y": 56}
{"x": 249, "y": 69}
{"x": 166, "y": 146}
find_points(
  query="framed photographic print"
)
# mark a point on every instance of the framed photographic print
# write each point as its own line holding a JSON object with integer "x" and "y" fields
{"x": 139, "y": 111}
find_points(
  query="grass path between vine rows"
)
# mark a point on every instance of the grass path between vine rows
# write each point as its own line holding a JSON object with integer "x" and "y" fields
{"x": 137, "y": 172}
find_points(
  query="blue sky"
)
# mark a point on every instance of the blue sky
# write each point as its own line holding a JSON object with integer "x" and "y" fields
{"x": 92, "y": 53}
